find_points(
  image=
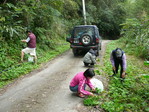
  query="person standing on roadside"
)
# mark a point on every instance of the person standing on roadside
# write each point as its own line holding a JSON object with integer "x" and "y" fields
{"x": 117, "y": 58}
{"x": 31, "y": 46}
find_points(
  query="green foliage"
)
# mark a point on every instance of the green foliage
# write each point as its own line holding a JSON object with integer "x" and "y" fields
{"x": 97, "y": 90}
{"x": 10, "y": 28}
{"x": 45, "y": 18}
{"x": 97, "y": 72}
{"x": 146, "y": 62}
{"x": 41, "y": 17}
{"x": 91, "y": 13}
{"x": 91, "y": 101}
{"x": 136, "y": 8}
{"x": 130, "y": 95}
{"x": 135, "y": 36}
{"x": 51, "y": 20}
{"x": 70, "y": 8}
{"x": 13, "y": 69}
{"x": 135, "y": 30}
{"x": 107, "y": 15}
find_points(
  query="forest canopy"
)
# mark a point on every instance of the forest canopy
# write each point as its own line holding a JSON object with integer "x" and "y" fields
{"x": 52, "y": 20}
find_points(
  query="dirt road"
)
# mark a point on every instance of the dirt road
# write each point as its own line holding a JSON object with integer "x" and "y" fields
{"x": 46, "y": 89}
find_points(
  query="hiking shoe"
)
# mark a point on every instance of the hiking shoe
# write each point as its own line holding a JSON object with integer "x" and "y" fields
{"x": 81, "y": 95}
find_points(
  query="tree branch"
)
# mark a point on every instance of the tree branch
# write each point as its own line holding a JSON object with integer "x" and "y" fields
{"x": 5, "y": 1}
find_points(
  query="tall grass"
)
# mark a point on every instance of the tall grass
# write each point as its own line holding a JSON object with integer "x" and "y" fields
{"x": 135, "y": 37}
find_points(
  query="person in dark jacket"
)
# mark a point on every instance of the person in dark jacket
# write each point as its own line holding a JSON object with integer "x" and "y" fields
{"x": 31, "y": 46}
{"x": 117, "y": 58}
{"x": 90, "y": 58}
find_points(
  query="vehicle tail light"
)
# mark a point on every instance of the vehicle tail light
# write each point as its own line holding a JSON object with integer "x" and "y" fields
{"x": 97, "y": 40}
{"x": 80, "y": 43}
{"x": 71, "y": 40}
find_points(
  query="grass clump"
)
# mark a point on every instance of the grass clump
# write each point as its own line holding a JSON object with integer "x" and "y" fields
{"x": 91, "y": 101}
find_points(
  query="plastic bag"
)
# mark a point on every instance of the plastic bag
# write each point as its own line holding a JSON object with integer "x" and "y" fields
{"x": 30, "y": 59}
{"x": 97, "y": 84}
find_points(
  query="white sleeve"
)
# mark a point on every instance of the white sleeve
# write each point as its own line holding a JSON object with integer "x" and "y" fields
{"x": 28, "y": 39}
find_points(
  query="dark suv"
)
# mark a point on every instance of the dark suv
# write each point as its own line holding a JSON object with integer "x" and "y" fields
{"x": 85, "y": 37}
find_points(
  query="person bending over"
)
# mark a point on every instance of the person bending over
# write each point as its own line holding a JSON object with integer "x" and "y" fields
{"x": 118, "y": 58}
{"x": 79, "y": 82}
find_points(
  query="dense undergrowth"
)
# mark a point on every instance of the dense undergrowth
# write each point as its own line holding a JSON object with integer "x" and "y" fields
{"x": 14, "y": 69}
{"x": 135, "y": 37}
{"x": 132, "y": 94}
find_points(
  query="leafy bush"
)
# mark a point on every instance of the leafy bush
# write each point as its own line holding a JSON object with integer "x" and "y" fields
{"x": 44, "y": 18}
{"x": 131, "y": 95}
{"x": 135, "y": 36}
{"x": 91, "y": 101}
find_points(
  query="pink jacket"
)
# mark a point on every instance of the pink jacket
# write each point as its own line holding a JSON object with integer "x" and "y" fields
{"x": 79, "y": 79}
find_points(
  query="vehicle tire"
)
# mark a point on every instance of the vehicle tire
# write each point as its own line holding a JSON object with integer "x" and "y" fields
{"x": 75, "y": 52}
{"x": 98, "y": 51}
{"x": 86, "y": 64}
{"x": 100, "y": 46}
{"x": 86, "y": 39}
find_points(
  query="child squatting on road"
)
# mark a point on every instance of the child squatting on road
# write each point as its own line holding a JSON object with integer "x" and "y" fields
{"x": 78, "y": 83}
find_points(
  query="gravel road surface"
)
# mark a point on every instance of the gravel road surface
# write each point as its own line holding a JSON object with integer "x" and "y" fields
{"x": 46, "y": 89}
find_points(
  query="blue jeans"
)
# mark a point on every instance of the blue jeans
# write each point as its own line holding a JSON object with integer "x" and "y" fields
{"x": 75, "y": 88}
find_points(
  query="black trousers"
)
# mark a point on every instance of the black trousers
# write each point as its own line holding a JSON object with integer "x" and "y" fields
{"x": 117, "y": 64}
{"x": 87, "y": 64}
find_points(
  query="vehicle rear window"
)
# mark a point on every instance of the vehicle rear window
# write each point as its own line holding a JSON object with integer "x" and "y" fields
{"x": 78, "y": 32}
